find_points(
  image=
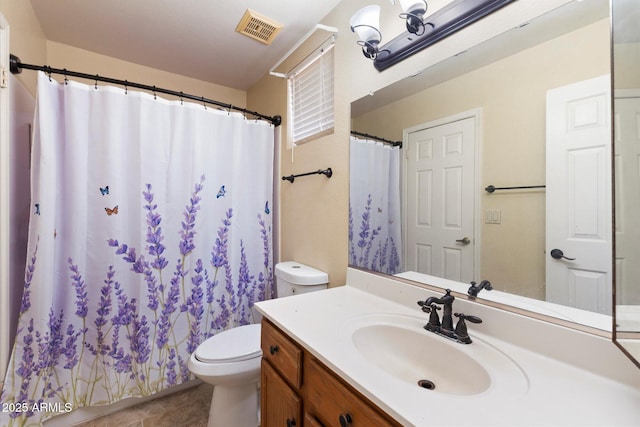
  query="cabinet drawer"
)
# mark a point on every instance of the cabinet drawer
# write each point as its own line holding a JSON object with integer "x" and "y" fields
{"x": 310, "y": 421}
{"x": 328, "y": 399}
{"x": 283, "y": 354}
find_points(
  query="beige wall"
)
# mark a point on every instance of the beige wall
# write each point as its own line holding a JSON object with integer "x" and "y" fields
{"x": 626, "y": 57}
{"x": 512, "y": 96}
{"x": 65, "y": 56}
{"x": 29, "y": 43}
{"x": 314, "y": 210}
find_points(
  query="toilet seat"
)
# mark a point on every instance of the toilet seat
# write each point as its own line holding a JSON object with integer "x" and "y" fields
{"x": 233, "y": 345}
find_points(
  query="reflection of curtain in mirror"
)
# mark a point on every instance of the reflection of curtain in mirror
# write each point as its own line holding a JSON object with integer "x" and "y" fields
{"x": 374, "y": 210}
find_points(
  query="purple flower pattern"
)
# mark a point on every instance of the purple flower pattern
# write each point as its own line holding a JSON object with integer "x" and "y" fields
{"x": 369, "y": 249}
{"x": 135, "y": 347}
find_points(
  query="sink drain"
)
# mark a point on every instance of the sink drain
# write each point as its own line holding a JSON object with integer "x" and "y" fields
{"x": 428, "y": 384}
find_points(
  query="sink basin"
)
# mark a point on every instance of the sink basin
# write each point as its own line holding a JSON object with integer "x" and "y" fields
{"x": 401, "y": 348}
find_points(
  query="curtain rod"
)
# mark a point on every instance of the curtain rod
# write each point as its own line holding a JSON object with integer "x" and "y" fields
{"x": 17, "y": 66}
{"x": 377, "y": 138}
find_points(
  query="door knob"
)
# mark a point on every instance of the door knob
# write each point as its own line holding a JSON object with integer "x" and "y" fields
{"x": 465, "y": 241}
{"x": 558, "y": 254}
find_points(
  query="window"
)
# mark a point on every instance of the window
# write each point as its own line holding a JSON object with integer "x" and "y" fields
{"x": 310, "y": 88}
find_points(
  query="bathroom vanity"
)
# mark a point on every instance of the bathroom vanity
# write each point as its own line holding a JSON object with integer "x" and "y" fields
{"x": 296, "y": 385}
{"x": 358, "y": 355}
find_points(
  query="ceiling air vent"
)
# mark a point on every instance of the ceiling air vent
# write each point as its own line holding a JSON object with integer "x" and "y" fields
{"x": 258, "y": 27}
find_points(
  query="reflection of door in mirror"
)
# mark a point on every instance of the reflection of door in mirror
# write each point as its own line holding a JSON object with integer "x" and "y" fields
{"x": 626, "y": 79}
{"x": 627, "y": 150}
{"x": 511, "y": 93}
{"x": 440, "y": 209}
{"x": 578, "y": 195}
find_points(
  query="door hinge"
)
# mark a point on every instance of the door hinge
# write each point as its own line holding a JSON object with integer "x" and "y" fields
{"x": 4, "y": 77}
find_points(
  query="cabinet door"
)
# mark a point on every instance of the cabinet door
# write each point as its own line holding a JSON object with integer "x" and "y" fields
{"x": 280, "y": 404}
{"x": 334, "y": 404}
{"x": 310, "y": 421}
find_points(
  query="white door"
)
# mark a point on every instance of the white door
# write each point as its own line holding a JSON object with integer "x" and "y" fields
{"x": 627, "y": 167}
{"x": 578, "y": 202}
{"x": 440, "y": 203}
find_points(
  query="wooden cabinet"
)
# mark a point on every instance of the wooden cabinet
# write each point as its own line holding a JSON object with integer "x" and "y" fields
{"x": 335, "y": 403}
{"x": 294, "y": 382}
{"x": 280, "y": 404}
{"x": 283, "y": 354}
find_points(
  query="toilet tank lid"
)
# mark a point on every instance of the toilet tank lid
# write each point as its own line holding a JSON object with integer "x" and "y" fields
{"x": 300, "y": 274}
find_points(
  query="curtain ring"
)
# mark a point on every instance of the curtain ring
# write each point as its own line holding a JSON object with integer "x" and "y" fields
{"x": 66, "y": 81}
{"x": 181, "y": 94}
{"x": 204, "y": 104}
{"x": 96, "y": 84}
{"x": 229, "y": 111}
{"x": 48, "y": 71}
{"x": 154, "y": 92}
{"x": 126, "y": 88}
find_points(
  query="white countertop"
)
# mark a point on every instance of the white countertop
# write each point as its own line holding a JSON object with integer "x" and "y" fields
{"x": 568, "y": 390}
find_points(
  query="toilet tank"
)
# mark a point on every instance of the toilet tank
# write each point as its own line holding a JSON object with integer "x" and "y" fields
{"x": 296, "y": 278}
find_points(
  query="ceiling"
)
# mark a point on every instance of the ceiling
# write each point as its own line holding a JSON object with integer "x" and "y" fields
{"x": 195, "y": 38}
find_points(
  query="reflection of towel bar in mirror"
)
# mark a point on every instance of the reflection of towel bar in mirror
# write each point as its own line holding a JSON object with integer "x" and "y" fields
{"x": 327, "y": 172}
{"x": 491, "y": 188}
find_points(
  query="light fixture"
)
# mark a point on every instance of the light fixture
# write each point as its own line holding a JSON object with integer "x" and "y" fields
{"x": 421, "y": 32}
{"x": 365, "y": 23}
{"x": 413, "y": 11}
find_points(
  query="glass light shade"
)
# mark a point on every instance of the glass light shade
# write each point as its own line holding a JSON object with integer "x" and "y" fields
{"x": 366, "y": 24}
{"x": 416, "y": 7}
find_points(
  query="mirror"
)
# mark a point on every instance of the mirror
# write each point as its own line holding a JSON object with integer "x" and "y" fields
{"x": 505, "y": 85}
{"x": 626, "y": 79}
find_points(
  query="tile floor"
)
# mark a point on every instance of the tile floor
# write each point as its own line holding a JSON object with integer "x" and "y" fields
{"x": 188, "y": 407}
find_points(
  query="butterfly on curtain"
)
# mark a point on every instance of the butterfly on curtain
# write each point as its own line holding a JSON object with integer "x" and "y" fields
{"x": 266, "y": 208}
{"x": 221, "y": 192}
{"x": 36, "y": 209}
{"x": 104, "y": 190}
{"x": 111, "y": 211}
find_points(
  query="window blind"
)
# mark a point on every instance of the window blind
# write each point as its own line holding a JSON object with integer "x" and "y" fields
{"x": 311, "y": 98}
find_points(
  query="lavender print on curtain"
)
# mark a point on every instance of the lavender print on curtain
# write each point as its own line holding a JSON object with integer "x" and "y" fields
{"x": 374, "y": 206}
{"x": 150, "y": 235}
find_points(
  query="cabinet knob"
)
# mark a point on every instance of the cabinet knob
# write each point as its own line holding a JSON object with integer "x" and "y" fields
{"x": 273, "y": 349}
{"x": 290, "y": 421}
{"x": 345, "y": 420}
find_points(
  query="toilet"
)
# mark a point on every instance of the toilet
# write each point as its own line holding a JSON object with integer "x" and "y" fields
{"x": 230, "y": 360}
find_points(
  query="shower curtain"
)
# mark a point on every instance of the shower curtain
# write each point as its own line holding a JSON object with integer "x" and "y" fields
{"x": 374, "y": 211}
{"x": 150, "y": 231}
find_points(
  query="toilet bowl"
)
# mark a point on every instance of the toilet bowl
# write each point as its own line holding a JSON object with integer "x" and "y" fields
{"x": 230, "y": 360}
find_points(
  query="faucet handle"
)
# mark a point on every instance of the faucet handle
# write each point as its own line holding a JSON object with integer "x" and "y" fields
{"x": 428, "y": 306}
{"x": 461, "y": 328}
{"x": 472, "y": 319}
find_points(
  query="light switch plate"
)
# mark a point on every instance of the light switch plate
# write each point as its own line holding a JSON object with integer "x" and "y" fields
{"x": 493, "y": 216}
